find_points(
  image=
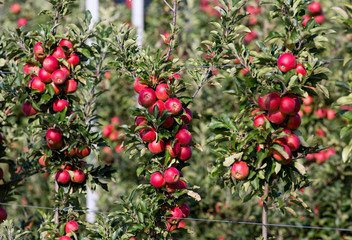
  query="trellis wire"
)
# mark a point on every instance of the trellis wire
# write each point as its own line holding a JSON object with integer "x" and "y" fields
{"x": 193, "y": 219}
{"x": 192, "y": 67}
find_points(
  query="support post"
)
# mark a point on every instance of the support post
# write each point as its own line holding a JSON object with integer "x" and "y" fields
{"x": 138, "y": 19}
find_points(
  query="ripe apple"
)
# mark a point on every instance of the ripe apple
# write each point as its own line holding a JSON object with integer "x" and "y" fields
{"x": 157, "y": 180}
{"x": 188, "y": 117}
{"x": 83, "y": 153}
{"x": 278, "y": 157}
{"x": 185, "y": 210}
{"x": 70, "y": 153}
{"x": 65, "y": 238}
{"x": 314, "y": 8}
{"x": 294, "y": 122}
{"x": 276, "y": 117}
{"x": 54, "y": 138}
{"x": 28, "y": 110}
{"x": 253, "y": 20}
{"x": 270, "y": 101}
{"x": 320, "y": 157}
{"x": 174, "y": 106}
{"x": 286, "y": 62}
{"x": 162, "y": 91}
{"x": 140, "y": 121}
{"x": 73, "y": 60}
{"x": 15, "y": 8}
{"x": 59, "y": 105}
{"x": 181, "y": 184}
{"x": 38, "y": 85}
{"x": 169, "y": 121}
{"x": 138, "y": 86}
{"x": 114, "y": 135}
{"x": 300, "y": 69}
{"x": 147, "y": 97}
{"x": 319, "y": 132}
{"x": 70, "y": 86}
{"x": 147, "y": 135}
{"x": 65, "y": 70}
{"x": 293, "y": 142}
{"x": 259, "y": 120}
{"x": 71, "y": 226}
{"x": 59, "y": 53}
{"x": 30, "y": 68}
{"x": 44, "y": 76}
{"x": 184, "y": 137}
{"x": 107, "y": 130}
{"x": 44, "y": 161}
{"x": 321, "y": 112}
{"x": 50, "y": 64}
{"x": 78, "y": 176}
{"x": 330, "y": 114}
{"x": 21, "y": 22}
{"x": 240, "y": 170}
{"x": 185, "y": 153}
{"x": 305, "y": 18}
{"x": 175, "y": 150}
{"x": 175, "y": 215}
{"x": 62, "y": 176}
{"x": 58, "y": 77}
{"x": 290, "y": 105}
{"x": 171, "y": 175}
{"x": 3, "y": 214}
{"x": 66, "y": 43}
{"x": 156, "y": 147}
{"x": 160, "y": 105}
{"x": 308, "y": 100}
{"x": 320, "y": 18}
{"x": 39, "y": 50}
{"x": 57, "y": 89}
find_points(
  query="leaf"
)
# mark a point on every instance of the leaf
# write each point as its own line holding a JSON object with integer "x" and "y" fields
{"x": 281, "y": 150}
{"x": 290, "y": 210}
{"x": 299, "y": 166}
{"x": 230, "y": 160}
{"x": 194, "y": 195}
{"x": 323, "y": 89}
{"x": 346, "y": 152}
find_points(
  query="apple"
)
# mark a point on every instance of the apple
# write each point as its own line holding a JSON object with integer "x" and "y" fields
{"x": 140, "y": 121}
{"x": 157, "y": 180}
{"x": 186, "y": 119}
{"x": 185, "y": 210}
{"x": 300, "y": 69}
{"x": 15, "y": 8}
{"x": 71, "y": 226}
{"x": 305, "y": 18}
{"x": 278, "y": 157}
{"x": 184, "y": 137}
{"x": 38, "y": 85}
{"x": 169, "y": 121}
{"x": 57, "y": 89}
{"x": 70, "y": 153}
{"x": 78, "y": 176}
{"x": 160, "y": 105}
{"x": 250, "y": 36}
{"x": 173, "y": 150}
{"x": 147, "y": 135}
{"x": 59, "y": 105}
{"x": 276, "y": 117}
{"x": 1, "y": 173}
{"x": 253, "y": 20}
{"x": 114, "y": 135}
{"x": 70, "y": 86}
{"x": 44, "y": 161}
{"x": 28, "y": 110}
{"x": 310, "y": 157}
{"x": 286, "y": 62}
{"x": 308, "y": 100}
{"x": 83, "y": 153}
{"x": 21, "y": 22}
{"x": 314, "y": 8}
{"x": 321, "y": 112}
{"x": 240, "y": 170}
{"x": 62, "y": 176}
{"x": 320, "y": 157}
{"x": 44, "y": 76}
{"x": 50, "y": 64}
{"x": 107, "y": 75}
{"x": 181, "y": 184}
{"x": 259, "y": 120}
{"x": 66, "y": 43}
{"x": 175, "y": 215}
{"x": 59, "y": 53}
{"x": 65, "y": 70}
{"x": 58, "y": 77}
{"x": 65, "y": 238}
{"x": 107, "y": 130}
{"x": 294, "y": 122}
{"x": 174, "y": 106}
{"x": 73, "y": 60}
{"x": 162, "y": 91}
{"x": 293, "y": 142}
{"x": 290, "y": 105}
{"x": 3, "y": 214}
{"x": 185, "y": 153}
{"x": 54, "y": 138}
{"x": 319, "y": 132}
{"x": 166, "y": 35}
{"x": 147, "y": 97}
{"x": 156, "y": 147}
{"x": 330, "y": 114}
{"x": 30, "y": 68}
{"x": 171, "y": 187}
{"x": 171, "y": 175}
{"x": 270, "y": 101}
{"x": 138, "y": 86}
{"x": 320, "y": 18}
{"x": 119, "y": 149}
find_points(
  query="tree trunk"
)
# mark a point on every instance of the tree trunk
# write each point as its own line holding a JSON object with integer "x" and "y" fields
{"x": 265, "y": 212}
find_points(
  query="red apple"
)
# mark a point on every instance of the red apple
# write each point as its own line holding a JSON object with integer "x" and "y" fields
{"x": 184, "y": 137}
{"x": 162, "y": 91}
{"x": 300, "y": 69}
{"x": 44, "y": 76}
{"x": 156, "y": 147}
{"x": 59, "y": 53}
{"x": 276, "y": 117}
{"x": 78, "y": 176}
{"x": 171, "y": 175}
{"x": 173, "y": 150}
{"x": 59, "y": 105}
{"x": 185, "y": 153}
{"x": 62, "y": 176}
{"x": 21, "y": 22}
{"x": 140, "y": 121}
{"x": 28, "y": 110}
{"x": 38, "y": 85}
{"x": 188, "y": 117}
{"x": 57, "y": 89}
{"x": 175, "y": 215}
{"x": 259, "y": 120}
{"x": 65, "y": 70}
{"x": 320, "y": 157}
{"x": 181, "y": 184}
{"x": 15, "y": 8}
{"x": 71, "y": 226}
{"x": 286, "y": 62}
{"x": 3, "y": 214}
{"x": 174, "y": 106}
{"x": 138, "y": 86}
{"x": 305, "y": 18}
{"x": 278, "y": 157}
{"x": 30, "y": 68}
{"x": 294, "y": 122}
{"x": 147, "y": 97}
{"x": 169, "y": 121}
{"x": 330, "y": 114}
{"x": 65, "y": 238}
{"x": 270, "y": 101}
{"x": 185, "y": 210}
{"x": 1, "y": 173}
{"x": 308, "y": 100}
{"x": 160, "y": 105}
{"x": 157, "y": 180}
{"x": 44, "y": 161}
{"x": 320, "y": 18}
{"x": 147, "y": 135}
{"x": 83, "y": 153}
{"x": 290, "y": 105}
{"x": 50, "y": 64}
{"x": 293, "y": 142}
{"x": 54, "y": 138}
{"x": 240, "y": 170}
{"x": 73, "y": 60}
{"x": 66, "y": 43}
{"x": 58, "y": 77}
{"x": 107, "y": 131}
{"x": 314, "y": 8}
{"x": 114, "y": 135}
{"x": 70, "y": 86}
{"x": 321, "y": 112}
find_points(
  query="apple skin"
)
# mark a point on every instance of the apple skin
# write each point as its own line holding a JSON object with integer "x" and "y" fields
{"x": 29, "y": 68}
{"x": 44, "y": 76}
{"x": 21, "y": 22}
{"x": 65, "y": 70}
{"x": 320, "y": 157}
{"x": 156, "y": 147}
{"x": 175, "y": 150}
{"x": 162, "y": 91}
{"x": 184, "y": 137}
{"x": 66, "y": 43}
{"x": 160, "y": 105}
{"x": 3, "y": 214}
{"x": 330, "y": 114}
{"x": 259, "y": 120}
{"x": 300, "y": 69}
{"x": 44, "y": 161}
{"x": 38, "y": 85}
{"x": 71, "y": 226}
{"x": 320, "y": 18}
{"x": 65, "y": 238}
{"x": 78, "y": 176}
{"x": 147, "y": 135}
{"x": 15, "y": 8}
{"x": 169, "y": 122}
{"x": 240, "y": 170}
{"x": 157, "y": 180}
{"x": 147, "y": 97}
{"x": 138, "y": 86}
{"x": 276, "y": 117}
{"x": 185, "y": 153}
{"x": 278, "y": 157}
{"x": 58, "y": 77}
{"x": 294, "y": 122}
{"x": 293, "y": 142}
{"x": 59, "y": 53}
{"x": 185, "y": 210}
{"x": 171, "y": 175}
{"x": 140, "y": 121}
{"x": 174, "y": 106}
{"x": 186, "y": 119}
{"x": 62, "y": 177}
{"x": 28, "y": 110}
{"x": 54, "y": 138}
{"x": 70, "y": 86}
{"x": 314, "y": 8}
{"x": 50, "y": 64}
{"x": 60, "y": 105}
{"x": 308, "y": 100}
{"x": 1, "y": 173}
{"x": 57, "y": 89}
{"x": 305, "y": 18}
{"x": 107, "y": 130}
{"x": 73, "y": 60}
{"x": 83, "y": 153}
{"x": 39, "y": 50}
{"x": 175, "y": 215}
{"x": 270, "y": 101}
{"x": 290, "y": 105}
{"x": 321, "y": 112}
{"x": 286, "y": 62}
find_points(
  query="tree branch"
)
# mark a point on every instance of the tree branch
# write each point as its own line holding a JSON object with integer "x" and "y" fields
{"x": 169, "y": 5}
{"x": 174, "y": 9}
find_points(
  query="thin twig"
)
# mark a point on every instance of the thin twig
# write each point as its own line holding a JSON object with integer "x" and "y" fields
{"x": 56, "y": 21}
{"x": 173, "y": 24}
{"x": 169, "y": 5}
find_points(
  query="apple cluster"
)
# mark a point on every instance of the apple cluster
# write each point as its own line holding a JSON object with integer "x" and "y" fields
{"x": 207, "y": 6}
{"x": 315, "y": 12}
{"x": 321, "y": 156}
{"x": 110, "y": 132}
{"x": 70, "y": 227}
{"x": 308, "y": 108}
{"x": 158, "y": 99}
{"x": 16, "y": 9}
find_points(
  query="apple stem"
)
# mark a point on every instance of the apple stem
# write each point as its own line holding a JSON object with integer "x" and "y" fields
{"x": 265, "y": 211}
